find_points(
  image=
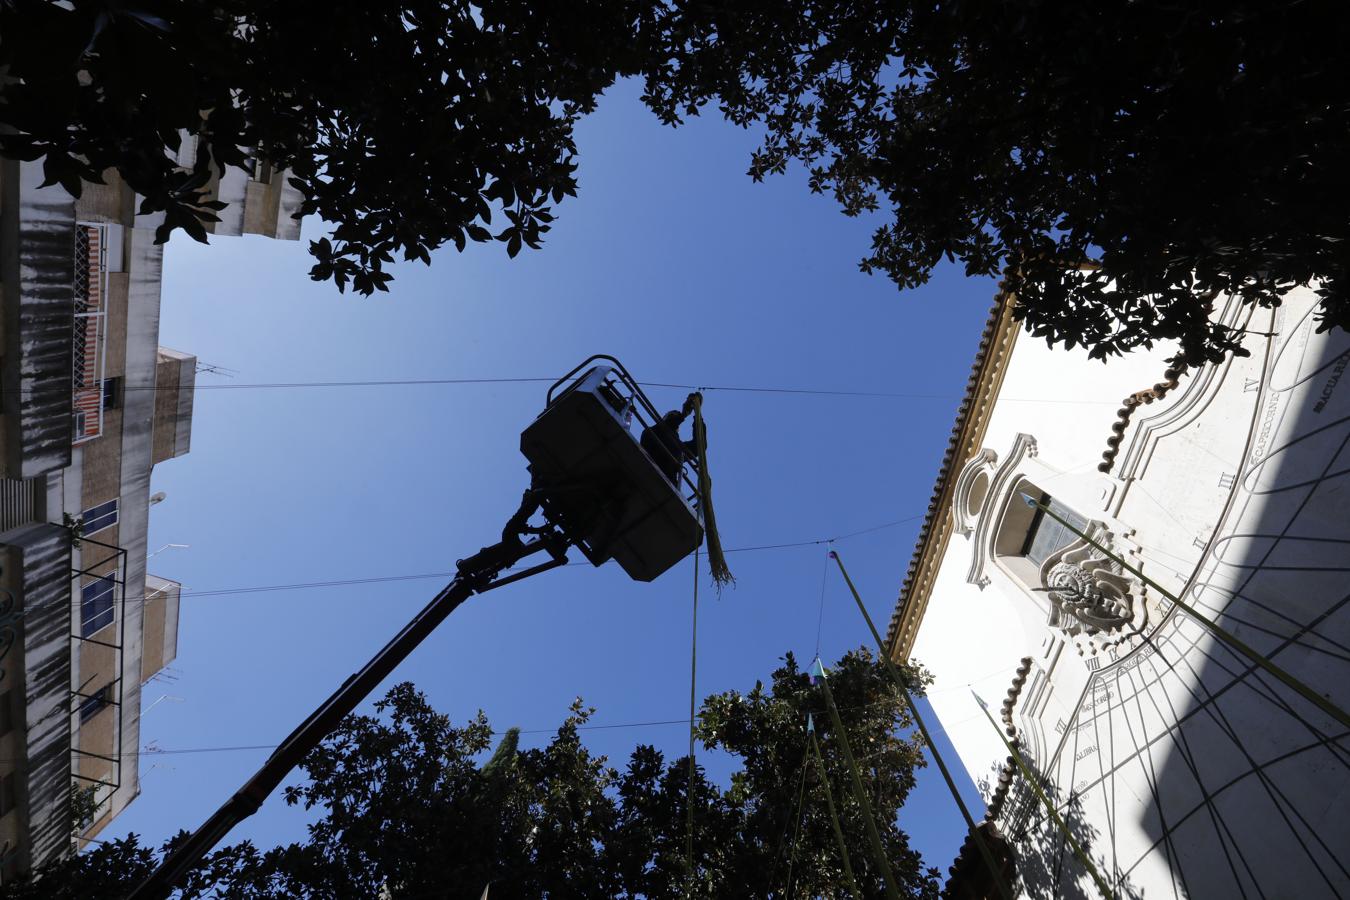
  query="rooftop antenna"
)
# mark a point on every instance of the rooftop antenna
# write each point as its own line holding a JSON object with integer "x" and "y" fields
{"x": 162, "y": 698}
{"x": 204, "y": 368}
{"x": 167, "y": 675}
{"x": 595, "y": 485}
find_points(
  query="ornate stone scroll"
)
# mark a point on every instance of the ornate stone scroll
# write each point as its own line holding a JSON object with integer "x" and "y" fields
{"x": 1093, "y": 601}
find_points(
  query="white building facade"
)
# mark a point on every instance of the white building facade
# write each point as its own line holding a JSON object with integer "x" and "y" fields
{"x": 1184, "y": 769}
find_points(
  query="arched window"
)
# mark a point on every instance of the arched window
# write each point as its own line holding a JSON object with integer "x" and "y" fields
{"x": 1085, "y": 595}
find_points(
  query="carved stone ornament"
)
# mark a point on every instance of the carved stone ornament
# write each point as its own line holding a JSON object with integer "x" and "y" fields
{"x": 971, "y": 495}
{"x": 995, "y": 483}
{"x": 1093, "y": 601}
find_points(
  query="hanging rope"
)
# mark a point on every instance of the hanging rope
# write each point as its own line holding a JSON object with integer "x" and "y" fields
{"x": 985, "y": 852}
{"x": 834, "y": 816}
{"x": 799, "y": 815}
{"x": 787, "y": 822}
{"x": 717, "y": 561}
{"x": 693, "y": 709}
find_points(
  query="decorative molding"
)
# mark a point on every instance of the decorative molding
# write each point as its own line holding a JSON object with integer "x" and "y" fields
{"x": 986, "y": 379}
{"x": 1094, "y": 602}
{"x": 1171, "y": 378}
{"x": 1201, "y": 389}
{"x": 1008, "y": 771}
{"x": 982, "y": 464}
{"x": 996, "y": 497}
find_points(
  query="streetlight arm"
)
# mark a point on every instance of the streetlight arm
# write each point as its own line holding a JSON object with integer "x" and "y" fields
{"x": 476, "y": 574}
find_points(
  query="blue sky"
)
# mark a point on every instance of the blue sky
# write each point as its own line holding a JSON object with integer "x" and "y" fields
{"x": 670, "y": 259}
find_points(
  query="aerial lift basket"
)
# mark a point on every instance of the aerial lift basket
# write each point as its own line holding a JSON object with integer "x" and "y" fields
{"x": 599, "y": 485}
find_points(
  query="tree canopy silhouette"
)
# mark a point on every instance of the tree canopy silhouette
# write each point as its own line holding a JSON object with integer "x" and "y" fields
{"x": 1120, "y": 164}
{"x": 407, "y": 810}
{"x": 407, "y": 125}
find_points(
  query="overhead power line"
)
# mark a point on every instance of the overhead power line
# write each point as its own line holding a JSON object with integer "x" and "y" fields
{"x": 238, "y": 748}
{"x": 422, "y": 576}
{"x": 422, "y": 382}
{"x": 738, "y": 389}
{"x": 651, "y": 723}
{"x": 390, "y": 382}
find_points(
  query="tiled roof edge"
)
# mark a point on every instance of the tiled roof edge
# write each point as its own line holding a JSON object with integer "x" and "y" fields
{"x": 988, "y": 359}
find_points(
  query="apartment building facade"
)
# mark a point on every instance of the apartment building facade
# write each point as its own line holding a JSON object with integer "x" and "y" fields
{"x": 90, "y": 404}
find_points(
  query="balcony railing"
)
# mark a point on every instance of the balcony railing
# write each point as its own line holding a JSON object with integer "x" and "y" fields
{"x": 89, "y": 340}
{"x": 99, "y": 608}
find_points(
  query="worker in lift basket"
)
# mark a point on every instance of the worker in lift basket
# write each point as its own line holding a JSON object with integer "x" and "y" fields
{"x": 662, "y": 441}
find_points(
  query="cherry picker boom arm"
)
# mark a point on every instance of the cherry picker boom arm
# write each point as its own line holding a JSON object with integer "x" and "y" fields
{"x": 477, "y": 574}
{"x": 597, "y": 488}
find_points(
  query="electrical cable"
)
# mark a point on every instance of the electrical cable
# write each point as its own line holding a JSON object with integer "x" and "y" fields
{"x": 242, "y": 748}
{"x": 245, "y": 747}
{"x": 876, "y": 395}
{"x": 429, "y": 382}
{"x": 384, "y": 579}
{"x": 797, "y": 836}
{"x": 787, "y": 823}
{"x": 826, "y": 540}
{"x": 820, "y": 615}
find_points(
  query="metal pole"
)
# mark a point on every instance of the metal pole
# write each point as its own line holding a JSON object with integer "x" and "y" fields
{"x": 1032, "y": 780}
{"x": 975, "y": 833}
{"x": 834, "y": 816}
{"x": 332, "y": 711}
{"x": 873, "y": 837}
{"x": 693, "y": 710}
{"x": 1214, "y": 628}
